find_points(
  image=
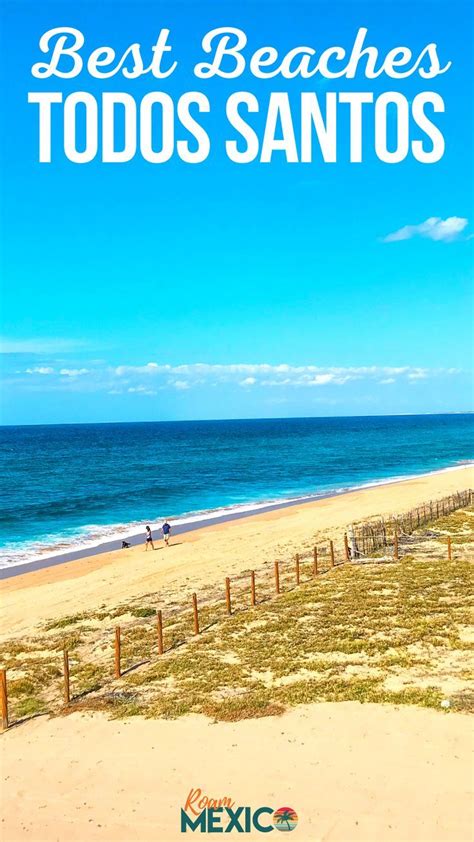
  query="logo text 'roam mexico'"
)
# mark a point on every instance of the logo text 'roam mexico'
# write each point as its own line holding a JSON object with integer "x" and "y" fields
{"x": 210, "y": 815}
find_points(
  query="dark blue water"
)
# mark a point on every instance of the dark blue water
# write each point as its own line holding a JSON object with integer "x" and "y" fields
{"x": 72, "y": 484}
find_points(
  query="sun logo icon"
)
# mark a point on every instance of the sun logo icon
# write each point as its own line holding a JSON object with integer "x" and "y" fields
{"x": 285, "y": 818}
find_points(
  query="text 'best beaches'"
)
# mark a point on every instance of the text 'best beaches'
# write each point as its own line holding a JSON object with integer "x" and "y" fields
{"x": 293, "y": 124}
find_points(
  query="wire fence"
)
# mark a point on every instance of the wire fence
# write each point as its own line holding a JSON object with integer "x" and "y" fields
{"x": 383, "y": 535}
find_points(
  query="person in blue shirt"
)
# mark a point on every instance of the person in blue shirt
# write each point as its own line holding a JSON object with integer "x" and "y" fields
{"x": 166, "y": 530}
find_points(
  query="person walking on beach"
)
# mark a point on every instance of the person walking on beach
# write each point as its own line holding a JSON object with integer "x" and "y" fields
{"x": 149, "y": 539}
{"x": 166, "y": 530}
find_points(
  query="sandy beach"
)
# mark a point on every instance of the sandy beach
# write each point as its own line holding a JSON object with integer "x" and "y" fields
{"x": 353, "y": 773}
{"x": 207, "y": 555}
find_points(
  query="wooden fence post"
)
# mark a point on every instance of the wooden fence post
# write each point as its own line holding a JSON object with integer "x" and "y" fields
{"x": 331, "y": 550}
{"x": 315, "y": 561}
{"x": 252, "y": 588}
{"x": 196, "y": 615}
{"x": 227, "y": 596}
{"x": 297, "y": 568}
{"x": 395, "y": 544}
{"x": 277, "y": 577}
{"x": 346, "y": 547}
{"x": 450, "y": 553}
{"x": 67, "y": 691}
{"x": 159, "y": 628}
{"x": 118, "y": 671}
{"x": 4, "y": 699}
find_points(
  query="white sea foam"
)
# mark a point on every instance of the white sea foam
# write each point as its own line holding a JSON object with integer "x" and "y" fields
{"x": 92, "y": 537}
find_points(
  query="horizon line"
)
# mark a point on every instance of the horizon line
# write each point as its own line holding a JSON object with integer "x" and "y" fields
{"x": 223, "y": 420}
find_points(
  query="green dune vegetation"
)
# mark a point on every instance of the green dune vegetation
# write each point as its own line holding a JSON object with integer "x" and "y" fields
{"x": 379, "y": 631}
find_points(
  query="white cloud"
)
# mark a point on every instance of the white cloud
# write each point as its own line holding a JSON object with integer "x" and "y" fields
{"x": 322, "y": 379}
{"x": 433, "y": 228}
{"x": 418, "y": 374}
{"x": 153, "y": 377}
{"x": 38, "y": 346}
{"x": 73, "y": 372}
{"x": 185, "y": 376}
{"x": 149, "y": 368}
{"x": 40, "y": 369}
{"x": 263, "y": 374}
{"x": 141, "y": 390}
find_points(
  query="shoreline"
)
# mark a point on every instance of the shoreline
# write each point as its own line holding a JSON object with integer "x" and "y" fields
{"x": 194, "y": 521}
{"x": 203, "y": 558}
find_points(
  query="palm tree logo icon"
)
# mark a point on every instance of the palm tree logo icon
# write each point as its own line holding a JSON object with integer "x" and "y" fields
{"x": 285, "y": 819}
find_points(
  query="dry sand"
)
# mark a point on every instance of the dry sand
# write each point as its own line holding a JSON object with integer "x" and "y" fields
{"x": 353, "y": 773}
{"x": 207, "y": 555}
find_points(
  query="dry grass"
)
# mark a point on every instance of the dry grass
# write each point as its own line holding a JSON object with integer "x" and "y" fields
{"x": 379, "y": 632}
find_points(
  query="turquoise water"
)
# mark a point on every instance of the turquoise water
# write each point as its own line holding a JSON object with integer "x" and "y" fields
{"x": 68, "y": 486}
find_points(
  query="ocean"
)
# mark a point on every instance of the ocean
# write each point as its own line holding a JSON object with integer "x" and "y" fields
{"x": 75, "y": 486}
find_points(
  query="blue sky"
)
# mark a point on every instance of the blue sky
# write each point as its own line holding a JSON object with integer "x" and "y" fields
{"x": 149, "y": 292}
